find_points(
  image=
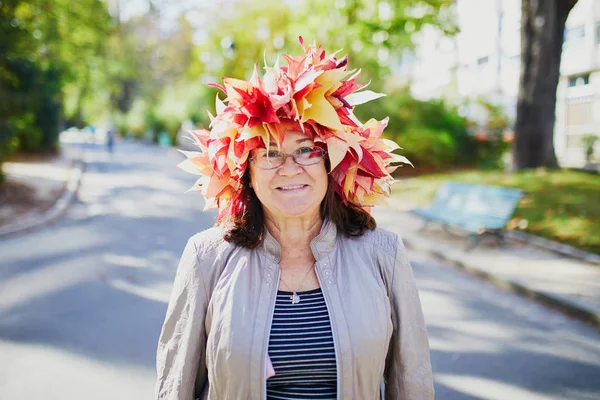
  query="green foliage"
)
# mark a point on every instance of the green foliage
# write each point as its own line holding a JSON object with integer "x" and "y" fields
{"x": 375, "y": 32}
{"x": 171, "y": 110}
{"x": 589, "y": 143}
{"x": 237, "y": 40}
{"x": 120, "y": 121}
{"x": 431, "y": 133}
{"x": 136, "y": 119}
{"x": 147, "y": 80}
{"x": 152, "y": 123}
{"x": 427, "y": 146}
{"x": 30, "y": 109}
{"x": 45, "y": 46}
{"x": 491, "y": 138}
{"x": 434, "y": 135}
{"x": 87, "y": 66}
{"x": 8, "y": 145}
{"x": 28, "y": 136}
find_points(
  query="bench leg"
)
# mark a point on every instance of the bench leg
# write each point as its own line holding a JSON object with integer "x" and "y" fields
{"x": 474, "y": 239}
{"x": 501, "y": 239}
{"x": 424, "y": 226}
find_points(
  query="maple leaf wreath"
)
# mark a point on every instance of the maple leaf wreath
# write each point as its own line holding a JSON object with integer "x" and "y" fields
{"x": 308, "y": 95}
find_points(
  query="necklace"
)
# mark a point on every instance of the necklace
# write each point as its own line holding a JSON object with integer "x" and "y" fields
{"x": 295, "y": 297}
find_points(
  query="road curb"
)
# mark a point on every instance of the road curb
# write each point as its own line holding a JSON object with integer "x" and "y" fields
{"x": 59, "y": 207}
{"x": 540, "y": 242}
{"x": 556, "y": 247}
{"x": 551, "y": 301}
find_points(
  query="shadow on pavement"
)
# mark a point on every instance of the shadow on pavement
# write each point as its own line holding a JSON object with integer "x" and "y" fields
{"x": 97, "y": 283}
{"x": 487, "y": 336}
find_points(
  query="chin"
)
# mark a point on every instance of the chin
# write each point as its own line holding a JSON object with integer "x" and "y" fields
{"x": 295, "y": 208}
{"x": 293, "y": 211}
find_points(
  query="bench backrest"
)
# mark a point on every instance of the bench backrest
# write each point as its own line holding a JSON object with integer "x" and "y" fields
{"x": 476, "y": 206}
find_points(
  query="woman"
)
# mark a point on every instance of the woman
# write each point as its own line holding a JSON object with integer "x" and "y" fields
{"x": 294, "y": 294}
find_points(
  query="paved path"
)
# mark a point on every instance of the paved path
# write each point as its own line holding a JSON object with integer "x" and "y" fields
{"x": 567, "y": 284}
{"x": 82, "y": 301}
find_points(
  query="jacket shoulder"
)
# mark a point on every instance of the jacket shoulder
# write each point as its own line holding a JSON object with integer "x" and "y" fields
{"x": 211, "y": 241}
{"x": 208, "y": 253}
{"x": 381, "y": 239}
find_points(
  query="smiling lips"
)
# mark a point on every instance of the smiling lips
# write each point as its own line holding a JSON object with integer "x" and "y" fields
{"x": 291, "y": 187}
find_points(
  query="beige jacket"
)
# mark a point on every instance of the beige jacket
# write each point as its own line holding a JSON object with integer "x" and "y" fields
{"x": 213, "y": 343}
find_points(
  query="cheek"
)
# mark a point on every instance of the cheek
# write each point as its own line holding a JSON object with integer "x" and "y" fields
{"x": 251, "y": 174}
{"x": 258, "y": 180}
{"x": 322, "y": 182}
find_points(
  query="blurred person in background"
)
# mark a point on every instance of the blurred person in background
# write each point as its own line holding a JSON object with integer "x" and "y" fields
{"x": 111, "y": 132}
{"x": 295, "y": 293}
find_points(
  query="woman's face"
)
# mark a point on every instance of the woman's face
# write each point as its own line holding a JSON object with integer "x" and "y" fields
{"x": 290, "y": 190}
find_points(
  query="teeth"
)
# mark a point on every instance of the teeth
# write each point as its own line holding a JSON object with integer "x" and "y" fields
{"x": 292, "y": 187}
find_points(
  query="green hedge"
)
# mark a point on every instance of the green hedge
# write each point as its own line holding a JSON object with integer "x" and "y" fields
{"x": 30, "y": 108}
{"x": 433, "y": 134}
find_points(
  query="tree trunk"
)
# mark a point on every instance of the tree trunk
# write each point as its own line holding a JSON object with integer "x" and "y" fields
{"x": 542, "y": 30}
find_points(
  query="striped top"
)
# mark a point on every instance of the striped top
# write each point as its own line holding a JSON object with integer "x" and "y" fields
{"x": 301, "y": 349}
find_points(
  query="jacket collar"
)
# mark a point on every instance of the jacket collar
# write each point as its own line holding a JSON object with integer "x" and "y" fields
{"x": 321, "y": 245}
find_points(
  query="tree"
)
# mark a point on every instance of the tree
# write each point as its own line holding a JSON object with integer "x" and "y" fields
{"x": 49, "y": 45}
{"x": 542, "y": 30}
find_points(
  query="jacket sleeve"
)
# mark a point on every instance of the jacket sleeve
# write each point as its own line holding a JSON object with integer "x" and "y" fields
{"x": 180, "y": 358}
{"x": 408, "y": 373}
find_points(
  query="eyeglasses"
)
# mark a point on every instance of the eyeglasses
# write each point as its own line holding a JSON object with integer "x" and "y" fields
{"x": 271, "y": 159}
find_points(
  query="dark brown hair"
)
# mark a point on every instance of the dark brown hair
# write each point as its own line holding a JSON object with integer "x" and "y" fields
{"x": 246, "y": 227}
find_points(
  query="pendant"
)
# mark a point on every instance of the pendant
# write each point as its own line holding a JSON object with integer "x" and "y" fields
{"x": 295, "y": 298}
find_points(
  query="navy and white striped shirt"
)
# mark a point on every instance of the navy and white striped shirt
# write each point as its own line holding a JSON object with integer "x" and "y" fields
{"x": 301, "y": 349}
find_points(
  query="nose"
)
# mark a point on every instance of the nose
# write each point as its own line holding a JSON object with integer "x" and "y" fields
{"x": 289, "y": 166}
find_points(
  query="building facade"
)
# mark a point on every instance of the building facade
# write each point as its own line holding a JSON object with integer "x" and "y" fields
{"x": 483, "y": 61}
{"x": 578, "y": 93}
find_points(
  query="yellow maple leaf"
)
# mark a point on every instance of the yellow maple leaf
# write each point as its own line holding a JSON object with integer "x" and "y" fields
{"x": 321, "y": 110}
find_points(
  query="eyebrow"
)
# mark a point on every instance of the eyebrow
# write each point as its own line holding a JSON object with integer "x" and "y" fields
{"x": 297, "y": 141}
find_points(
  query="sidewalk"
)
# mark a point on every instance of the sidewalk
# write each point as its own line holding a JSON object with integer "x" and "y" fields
{"x": 38, "y": 191}
{"x": 569, "y": 285}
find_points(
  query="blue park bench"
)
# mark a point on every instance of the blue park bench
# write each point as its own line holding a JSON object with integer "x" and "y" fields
{"x": 479, "y": 210}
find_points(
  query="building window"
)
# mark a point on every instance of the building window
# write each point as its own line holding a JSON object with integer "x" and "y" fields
{"x": 598, "y": 32}
{"x": 574, "y": 35}
{"x": 483, "y": 61}
{"x": 579, "y": 80}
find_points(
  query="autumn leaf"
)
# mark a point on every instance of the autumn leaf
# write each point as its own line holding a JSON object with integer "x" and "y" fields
{"x": 362, "y": 97}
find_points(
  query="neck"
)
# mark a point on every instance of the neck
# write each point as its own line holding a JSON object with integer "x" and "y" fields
{"x": 294, "y": 233}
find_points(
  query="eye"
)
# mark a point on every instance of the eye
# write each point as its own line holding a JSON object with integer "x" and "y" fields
{"x": 305, "y": 150}
{"x": 268, "y": 154}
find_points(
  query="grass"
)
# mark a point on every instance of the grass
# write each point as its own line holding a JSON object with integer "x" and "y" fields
{"x": 561, "y": 205}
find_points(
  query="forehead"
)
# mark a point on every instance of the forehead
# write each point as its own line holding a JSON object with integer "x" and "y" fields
{"x": 293, "y": 138}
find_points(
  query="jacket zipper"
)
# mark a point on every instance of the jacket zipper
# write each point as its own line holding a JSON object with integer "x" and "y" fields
{"x": 267, "y": 335}
{"x": 333, "y": 334}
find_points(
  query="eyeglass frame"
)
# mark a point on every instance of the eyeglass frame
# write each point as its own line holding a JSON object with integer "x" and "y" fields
{"x": 293, "y": 155}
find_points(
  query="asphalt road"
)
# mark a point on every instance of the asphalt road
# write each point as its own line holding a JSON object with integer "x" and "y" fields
{"x": 82, "y": 301}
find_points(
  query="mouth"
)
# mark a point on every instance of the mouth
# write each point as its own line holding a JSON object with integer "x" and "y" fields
{"x": 291, "y": 188}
